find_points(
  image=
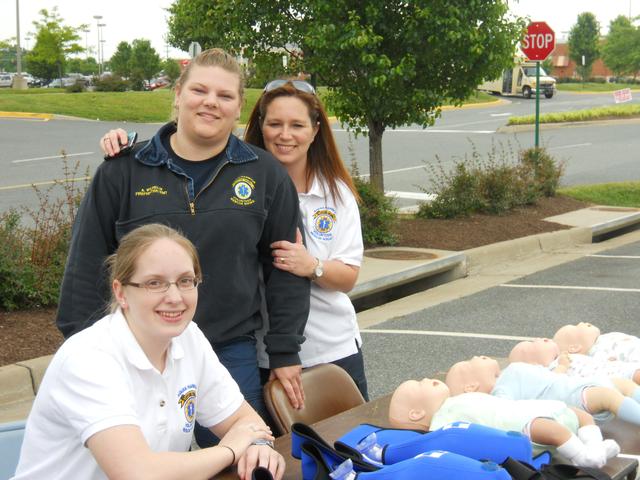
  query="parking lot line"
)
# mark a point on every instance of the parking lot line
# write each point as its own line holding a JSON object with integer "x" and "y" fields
{"x": 632, "y": 257}
{"x": 54, "y": 156}
{"x": 39, "y": 184}
{"x": 444, "y": 334}
{"x": 571, "y": 287}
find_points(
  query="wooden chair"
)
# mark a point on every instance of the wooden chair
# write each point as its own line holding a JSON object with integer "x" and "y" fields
{"x": 328, "y": 390}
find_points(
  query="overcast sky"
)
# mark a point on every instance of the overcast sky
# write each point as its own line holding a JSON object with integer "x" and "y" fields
{"x": 130, "y": 19}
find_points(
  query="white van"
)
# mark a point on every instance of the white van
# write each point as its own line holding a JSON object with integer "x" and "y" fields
{"x": 6, "y": 80}
{"x": 521, "y": 80}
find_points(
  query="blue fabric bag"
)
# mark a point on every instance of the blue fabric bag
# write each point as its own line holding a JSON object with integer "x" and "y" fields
{"x": 432, "y": 465}
{"x": 468, "y": 439}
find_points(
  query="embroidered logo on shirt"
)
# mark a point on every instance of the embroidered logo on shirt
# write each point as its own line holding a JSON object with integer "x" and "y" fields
{"x": 243, "y": 187}
{"x": 187, "y": 400}
{"x": 323, "y": 222}
{"x": 152, "y": 190}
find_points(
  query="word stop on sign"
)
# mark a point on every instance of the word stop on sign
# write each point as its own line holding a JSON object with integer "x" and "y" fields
{"x": 537, "y": 40}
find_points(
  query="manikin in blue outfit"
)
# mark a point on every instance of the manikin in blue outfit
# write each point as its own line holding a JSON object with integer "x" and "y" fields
{"x": 523, "y": 381}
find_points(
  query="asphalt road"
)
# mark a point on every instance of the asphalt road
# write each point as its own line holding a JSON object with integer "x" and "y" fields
{"x": 601, "y": 289}
{"x": 592, "y": 154}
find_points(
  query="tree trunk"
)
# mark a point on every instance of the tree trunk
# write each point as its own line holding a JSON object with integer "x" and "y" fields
{"x": 376, "y": 129}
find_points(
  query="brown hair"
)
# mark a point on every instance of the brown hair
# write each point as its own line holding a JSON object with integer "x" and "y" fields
{"x": 213, "y": 57}
{"x": 122, "y": 263}
{"x": 323, "y": 158}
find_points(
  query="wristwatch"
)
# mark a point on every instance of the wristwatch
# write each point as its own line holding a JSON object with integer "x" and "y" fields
{"x": 317, "y": 271}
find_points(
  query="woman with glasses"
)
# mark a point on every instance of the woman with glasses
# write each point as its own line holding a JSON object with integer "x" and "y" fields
{"x": 232, "y": 200}
{"x": 290, "y": 122}
{"x": 120, "y": 399}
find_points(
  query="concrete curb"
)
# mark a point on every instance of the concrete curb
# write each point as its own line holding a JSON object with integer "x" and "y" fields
{"x": 40, "y": 116}
{"x": 548, "y": 126}
{"x": 415, "y": 270}
{"x": 510, "y": 250}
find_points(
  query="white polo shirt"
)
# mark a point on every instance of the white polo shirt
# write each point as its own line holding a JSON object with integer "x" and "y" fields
{"x": 332, "y": 231}
{"x": 101, "y": 378}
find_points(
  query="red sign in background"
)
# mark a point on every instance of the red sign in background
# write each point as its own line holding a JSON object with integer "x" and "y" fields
{"x": 539, "y": 41}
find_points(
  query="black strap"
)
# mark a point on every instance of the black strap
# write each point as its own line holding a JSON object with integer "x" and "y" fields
{"x": 520, "y": 470}
{"x": 560, "y": 471}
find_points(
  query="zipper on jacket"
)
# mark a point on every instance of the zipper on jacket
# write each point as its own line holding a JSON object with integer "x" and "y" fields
{"x": 192, "y": 204}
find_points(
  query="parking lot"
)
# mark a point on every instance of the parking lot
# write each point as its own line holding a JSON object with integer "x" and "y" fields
{"x": 599, "y": 287}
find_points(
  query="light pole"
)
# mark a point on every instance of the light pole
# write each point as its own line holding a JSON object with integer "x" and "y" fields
{"x": 102, "y": 41}
{"x": 100, "y": 48}
{"x": 86, "y": 43}
{"x": 98, "y": 18}
{"x": 18, "y": 81}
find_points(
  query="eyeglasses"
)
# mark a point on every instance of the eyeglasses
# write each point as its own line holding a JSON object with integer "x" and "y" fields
{"x": 160, "y": 286}
{"x": 299, "y": 85}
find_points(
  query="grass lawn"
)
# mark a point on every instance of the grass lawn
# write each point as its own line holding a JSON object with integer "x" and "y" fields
{"x": 602, "y": 113}
{"x": 143, "y": 107}
{"x": 595, "y": 87}
{"x": 622, "y": 194}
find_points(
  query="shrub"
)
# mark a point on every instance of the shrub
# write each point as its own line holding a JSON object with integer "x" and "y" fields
{"x": 493, "y": 185}
{"x": 32, "y": 258}
{"x": 77, "y": 87}
{"x": 546, "y": 172}
{"x": 377, "y": 213}
{"x": 111, "y": 83}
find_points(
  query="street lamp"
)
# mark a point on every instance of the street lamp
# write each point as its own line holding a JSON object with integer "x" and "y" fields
{"x": 98, "y": 18}
{"x": 18, "y": 81}
{"x": 100, "y": 46}
{"x": 102, "y": 42}
{"x": 86, "y": 43}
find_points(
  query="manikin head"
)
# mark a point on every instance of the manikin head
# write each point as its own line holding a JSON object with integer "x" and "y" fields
{"x": 541, "y": 351}
{"x": 576, "y": 338}
{"x": 476, "y": 375}
{"x": 414, "y": 403}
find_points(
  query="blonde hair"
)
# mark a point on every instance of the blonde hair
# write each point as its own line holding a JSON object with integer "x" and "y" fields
{"x": 213, "y": 57}
{"x": 122, "y": 263}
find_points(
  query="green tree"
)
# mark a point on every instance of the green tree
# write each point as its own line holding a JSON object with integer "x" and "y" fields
{"x": 387, "y": 63}
{"x": 85, "y": 66}
{"x": 145, "y": 61}
{"x": 171, "y": 69}
{"x": 120, "y": 61}
{"x": 584, "y": 39}
{"x": 54, "y": 43}
{"x": 620, "y": 51}
{"x": 8, "y": 62}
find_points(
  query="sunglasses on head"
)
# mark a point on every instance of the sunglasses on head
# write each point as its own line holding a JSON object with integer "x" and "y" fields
{"x": 299, "y": 85}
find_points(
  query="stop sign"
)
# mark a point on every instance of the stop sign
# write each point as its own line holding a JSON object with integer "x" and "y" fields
{"x": 539, "y": 41}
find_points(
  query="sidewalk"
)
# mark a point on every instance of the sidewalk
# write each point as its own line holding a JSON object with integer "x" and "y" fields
{"x": 385, "y": 269}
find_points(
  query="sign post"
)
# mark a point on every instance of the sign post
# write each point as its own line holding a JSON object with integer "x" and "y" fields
{"x": 194, "y": 49}
{"x": 537, "y": 45}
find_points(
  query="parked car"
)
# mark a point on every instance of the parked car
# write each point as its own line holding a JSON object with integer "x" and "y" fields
{"x": 66, "y": 82}
{"x": 159, "y": 82}
{"x": 6, "y": 80}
